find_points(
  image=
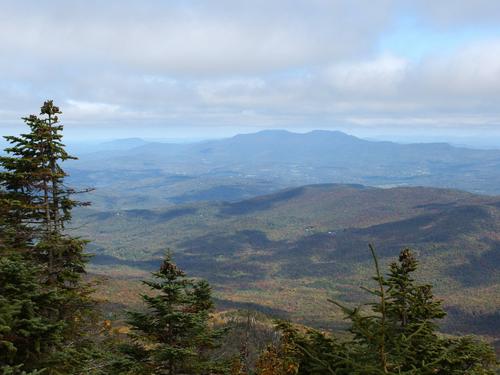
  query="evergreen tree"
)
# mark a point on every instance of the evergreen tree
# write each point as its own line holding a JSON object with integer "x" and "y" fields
{"x": 16, "y": 210}
{"x": 35, "y": 205}
{"x": 411, "y": 312}
{"x": 173, "y": 336}
{"x": 27, "y": 334}
{"x": 398, "y": 337}
{"x": 37, "y": 200}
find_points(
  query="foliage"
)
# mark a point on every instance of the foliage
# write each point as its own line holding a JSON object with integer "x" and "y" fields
{"x": 266, "y": 255}
{"x": 173, "y": 336}
{"x": 399, "y": 336}
{"x": 36, "y": 196}
{"x": 282, "y": 358}
{"x": 27, "y": 333}
{"x": 46, "y": 305}
{"x": 249, "y": 334}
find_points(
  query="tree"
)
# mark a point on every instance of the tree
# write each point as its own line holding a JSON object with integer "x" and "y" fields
{"x": 173, "y": 336}
{"x": 399, "y": 336}
{"x": 16, "y": 210}
{"x": 35, "y": 206}
{"x": 27, "y": 334}
{"x": 282, "y": 358}
{"x": 37, "y": 201}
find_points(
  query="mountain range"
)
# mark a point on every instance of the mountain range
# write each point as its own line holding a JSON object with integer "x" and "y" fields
{"x": 137, "y": 174}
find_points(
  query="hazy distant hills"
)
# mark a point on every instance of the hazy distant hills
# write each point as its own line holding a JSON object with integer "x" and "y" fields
{"x": 293, "y": 249}
{"x": 137, "y": 174}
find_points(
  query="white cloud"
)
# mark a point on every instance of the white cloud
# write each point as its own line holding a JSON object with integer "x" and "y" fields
{"x": 472, "y": 71}
{"x": 452, "y": 13}
{"x": 79, "y": 109}
{"x": 381, "y": 76}
{"x": 279, "y": 63}
{"x": 221, "y": 38}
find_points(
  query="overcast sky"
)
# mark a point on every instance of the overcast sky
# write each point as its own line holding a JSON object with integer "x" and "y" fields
{"x": 211, "y": 68}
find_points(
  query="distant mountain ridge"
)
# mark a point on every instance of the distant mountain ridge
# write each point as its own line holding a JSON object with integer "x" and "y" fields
{"x": 150, "y": 174}
{"x": 272, "y": 145}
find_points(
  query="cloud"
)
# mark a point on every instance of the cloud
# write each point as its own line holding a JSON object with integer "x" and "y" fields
{"x": 308, "y": 63}
{"x": 452, "y": 13}
{"x": 224, "y": 37}
{"x": 472, "y": 71}
{"x": 381, "y": 76}
{"x": 78, "y": 109}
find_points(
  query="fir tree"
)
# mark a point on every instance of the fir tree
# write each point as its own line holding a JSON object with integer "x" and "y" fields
{"x": 412, "y": 312}
{"x": 35, "y": 205}
{"x": 173, "y": 336}
{"x": 399, "y": 336}
{"x": 17, "y": 213}
{"x": 27, "y": 334}
{"x": 37, "y": 202}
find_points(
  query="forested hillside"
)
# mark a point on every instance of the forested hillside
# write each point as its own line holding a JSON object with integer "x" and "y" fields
{"x": 288, "y": 252}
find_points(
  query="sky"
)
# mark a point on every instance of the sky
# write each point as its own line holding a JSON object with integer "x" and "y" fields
{"x": 422, "y": 69}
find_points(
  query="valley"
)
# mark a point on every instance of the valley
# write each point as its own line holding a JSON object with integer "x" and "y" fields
{"x": 286, "y": 253}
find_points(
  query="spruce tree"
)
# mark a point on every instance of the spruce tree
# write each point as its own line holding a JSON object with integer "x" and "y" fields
{"x": 17, "y": 211}
{"x": 412, "y": 312}
{"x": 173, "y": 336}
{"x": 33, "y": 179}
{"x": 35, "y": 206}
{"x": 27, "y": 334}
{"x": 37, "y": 202}
{"x": 398, "y": 336}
